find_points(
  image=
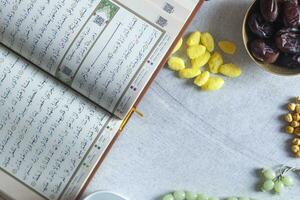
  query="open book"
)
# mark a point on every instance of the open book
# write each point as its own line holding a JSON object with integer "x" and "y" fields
{"x": 71, "y": 73}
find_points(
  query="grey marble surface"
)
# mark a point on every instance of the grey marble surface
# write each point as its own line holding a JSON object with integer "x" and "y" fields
{"x": 205, "y": 142}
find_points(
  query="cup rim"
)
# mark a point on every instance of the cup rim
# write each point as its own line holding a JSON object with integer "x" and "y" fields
{"x": 104, "y": 194}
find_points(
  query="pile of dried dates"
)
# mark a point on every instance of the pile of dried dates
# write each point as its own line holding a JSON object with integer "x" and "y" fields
{"x": 274, "y": 32}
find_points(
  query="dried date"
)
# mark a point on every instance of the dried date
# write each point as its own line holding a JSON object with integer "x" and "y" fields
{"x": 288, "y": 40}
{"x": 263, "y": 52}
{"x": 259, "y": 26}
{"x": 289, "y": 61}
{"x": 269, "y": 10}
{"x": 291, "y": 13}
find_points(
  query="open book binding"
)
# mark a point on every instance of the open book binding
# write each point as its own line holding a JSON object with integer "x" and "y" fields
{"x": 72, "y": 73}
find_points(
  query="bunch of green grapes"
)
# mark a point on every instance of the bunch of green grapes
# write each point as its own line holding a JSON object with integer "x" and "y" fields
{"x": 275, "y": 182}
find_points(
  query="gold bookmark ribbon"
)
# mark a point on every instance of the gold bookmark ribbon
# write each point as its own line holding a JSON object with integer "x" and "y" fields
{"x": 126, "y": 119}
{"x": 137, "y": 112}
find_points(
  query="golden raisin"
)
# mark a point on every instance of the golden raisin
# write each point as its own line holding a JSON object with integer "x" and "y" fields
{"x": 176, "y": 63}
{"x": 215, "y": 62}
{"x": 208, "y": 41}
{"x": 196, "y": 51}
{"x": 230, "y": 70}
{"x": 202, "y": 79}
{"x": 178, "y": 46}
{"x": 201, "y": 60}
{"x": 213, "y": 83}
{"x": 193, "y": 39}
{"x": 227, "y": 47}
{"x": 189, "y": 73}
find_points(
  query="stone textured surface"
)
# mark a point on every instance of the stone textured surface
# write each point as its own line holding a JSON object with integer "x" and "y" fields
{"x": 207, "y": 142}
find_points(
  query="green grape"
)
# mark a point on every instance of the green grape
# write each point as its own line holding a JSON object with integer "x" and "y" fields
{"x": 287, "y": 181}
{"x": 168, "y": 197}
{"x": 213, "y": 198}
{"x": 243, "y": 198}
{"x": 268, "y": 186}
{"x": 190, "y": 196}
{"x": 232, "y": 198}
{"x": 179, "y": 195}
{"x": 278, "y": 187}
{"x": 202, "y": 197}
{"x": 268, "y": 174}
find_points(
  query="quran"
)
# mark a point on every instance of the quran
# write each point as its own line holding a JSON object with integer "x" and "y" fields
{"x": 71, "y": 74}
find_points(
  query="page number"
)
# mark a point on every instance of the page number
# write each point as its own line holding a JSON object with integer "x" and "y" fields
{"x": 99, "y": 20}
{"x": 162, "y": 21}
{"x": 169, "y": 8}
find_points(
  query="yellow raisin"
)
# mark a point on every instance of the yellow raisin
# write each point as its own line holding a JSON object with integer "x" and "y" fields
{"x": 208, "y": 41}
{"x": 176, "y": 63}
{"x": 227, "y": 47}
{"x": 213, "y": 83}
{"x": 201, "y": 60}
{"x": 178, "y": 46}
{"x": 193, "y": 39}
{"x": 230, "y": 70}
{"x": 189, "y": 73}
{"x": 215, "y": 62}
{"x": 195, "y": 51}
{"x": 202, "y": 78}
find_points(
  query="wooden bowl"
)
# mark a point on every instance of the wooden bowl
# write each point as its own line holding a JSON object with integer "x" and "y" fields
{"x": 273, "y": 68}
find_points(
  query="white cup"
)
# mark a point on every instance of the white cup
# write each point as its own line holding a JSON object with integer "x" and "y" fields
{"x": 104, "y": 195}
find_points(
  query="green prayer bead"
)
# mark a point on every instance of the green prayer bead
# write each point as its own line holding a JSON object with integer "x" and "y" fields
{"x": 243, "y": 198}
{"x": 190, "y": 196}
{"x": 232, "y": 198}
{"x": 179, "y": 195}
{"x": 168, "y": 197}
{"x": 213, "y": 198}
{"x": 202, "y": 197}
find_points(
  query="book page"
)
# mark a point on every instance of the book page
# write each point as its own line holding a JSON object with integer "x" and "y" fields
{"x": 51, "y": 137}
{"x": 107, "y": 50}
{"x": 129, "y": 66}
{"x": 189, "y": 4}
{"x": 179, "y": 9}
{"x": 172, "y": 26}
{"x": 118, "y": 54}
